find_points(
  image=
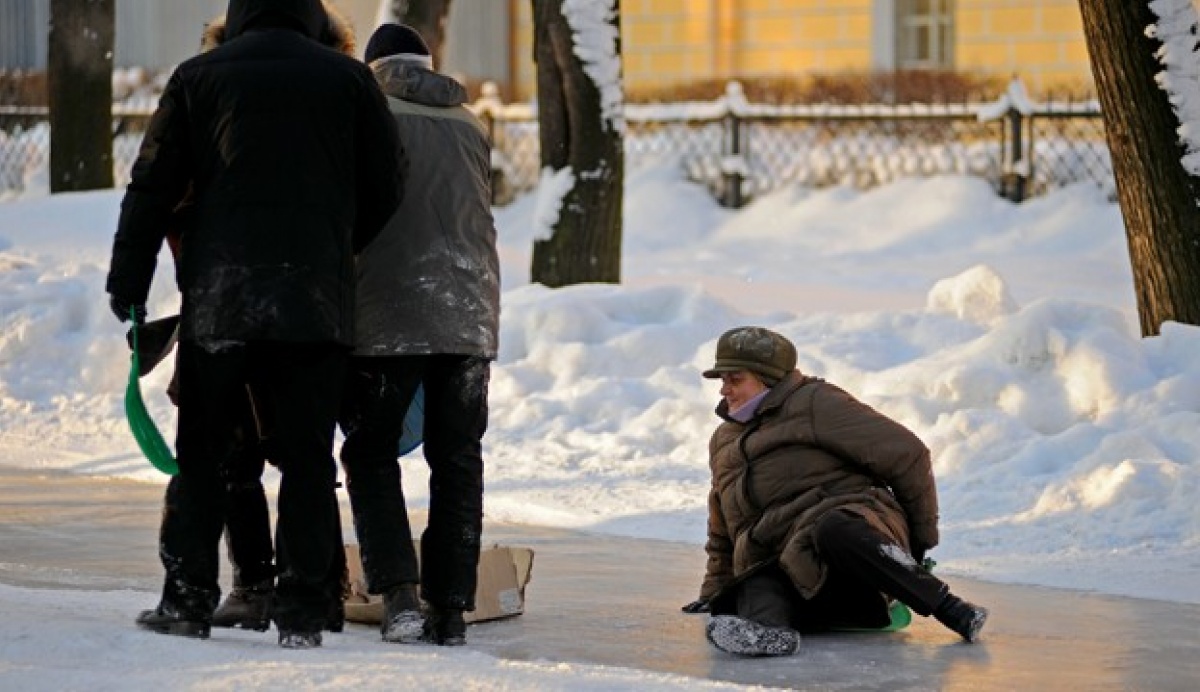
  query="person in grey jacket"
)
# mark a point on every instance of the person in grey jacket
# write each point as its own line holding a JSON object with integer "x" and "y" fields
{"x": 427, "y": 315}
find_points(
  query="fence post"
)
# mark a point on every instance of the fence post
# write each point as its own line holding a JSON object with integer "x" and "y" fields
{"x": 1014, "y": 183}
{"x": 733, "y": 167}
{"x": 1016, "y": 166}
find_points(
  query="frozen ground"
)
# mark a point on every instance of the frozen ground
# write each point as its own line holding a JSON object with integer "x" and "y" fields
{"x": 1067, "y": 448}
{"x": 602, "y": 613}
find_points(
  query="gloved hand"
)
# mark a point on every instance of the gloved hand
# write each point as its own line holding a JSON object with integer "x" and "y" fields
{"x": 697, "y": 606}
{"x": 923, "y": 561}
{"x": 121, "y": 308}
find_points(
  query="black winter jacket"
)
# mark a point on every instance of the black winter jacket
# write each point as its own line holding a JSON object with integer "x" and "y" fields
{"x": 295, "y": 166}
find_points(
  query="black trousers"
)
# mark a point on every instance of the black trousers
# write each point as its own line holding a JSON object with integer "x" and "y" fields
{"x": 248, "y": 518}
{"x": 378, "y": 393}
{"x": 865, "y": 568}
{"x": 300, "y": 384}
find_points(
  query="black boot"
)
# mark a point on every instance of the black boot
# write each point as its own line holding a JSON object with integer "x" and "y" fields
{"x": 445, "y": 627}
{"x": 402, "y": 618}
{"x": 963, "y": 617}
{"x": 339, "y": 589}
{"x": 336, "y": 620}
{"x": 166, "y": 619}
{"x": 246, "y": 607}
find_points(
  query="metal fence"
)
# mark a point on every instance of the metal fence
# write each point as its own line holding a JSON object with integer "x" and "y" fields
{"x": 741, "y": 150}
{"x": 25, "y": 146}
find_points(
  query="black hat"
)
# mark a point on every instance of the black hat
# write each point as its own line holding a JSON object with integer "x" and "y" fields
{"x": 395, "y": 39}
{"x": 761, "y": 351}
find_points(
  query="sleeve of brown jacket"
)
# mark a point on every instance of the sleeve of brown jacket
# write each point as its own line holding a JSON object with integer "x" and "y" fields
{"x": 719, "y": 569}
{"x": 887, "y": 450}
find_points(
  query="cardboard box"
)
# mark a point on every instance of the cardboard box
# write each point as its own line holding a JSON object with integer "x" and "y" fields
{"x": 503, "y": 573}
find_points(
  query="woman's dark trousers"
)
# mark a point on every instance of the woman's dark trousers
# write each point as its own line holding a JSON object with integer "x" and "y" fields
{"x": 865, "y": 567}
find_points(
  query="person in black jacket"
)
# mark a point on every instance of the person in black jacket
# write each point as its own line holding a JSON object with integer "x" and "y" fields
{"x": 248, "y": 519}
{"x": 294, "y": 166}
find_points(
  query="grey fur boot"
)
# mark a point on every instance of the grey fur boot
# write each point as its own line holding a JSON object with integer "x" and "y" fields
{"x": 736, "y": 635}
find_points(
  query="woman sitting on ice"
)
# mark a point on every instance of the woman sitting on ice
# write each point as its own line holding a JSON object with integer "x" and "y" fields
{"x": 821, "y": 508}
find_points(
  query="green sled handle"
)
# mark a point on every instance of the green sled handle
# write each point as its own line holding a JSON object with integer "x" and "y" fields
{"x": 149, "y": 439}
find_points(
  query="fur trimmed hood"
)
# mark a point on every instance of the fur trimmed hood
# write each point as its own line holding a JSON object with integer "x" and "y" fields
{"x": 338, "y": 34}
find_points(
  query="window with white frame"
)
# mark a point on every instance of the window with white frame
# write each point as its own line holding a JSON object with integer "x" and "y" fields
{"x": 924, "y": 34}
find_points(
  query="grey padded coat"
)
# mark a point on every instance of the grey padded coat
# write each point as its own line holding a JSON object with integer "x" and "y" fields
{"x": 430, "y": 283}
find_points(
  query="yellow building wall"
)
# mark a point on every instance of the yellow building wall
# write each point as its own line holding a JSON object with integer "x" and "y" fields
{"x": 776, "y": 38}
{"x": 672, "y": 42}
{"x": 1041, "y": 41}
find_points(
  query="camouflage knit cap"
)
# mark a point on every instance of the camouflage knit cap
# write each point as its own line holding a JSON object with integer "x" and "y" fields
{"x": 761, "y": 351}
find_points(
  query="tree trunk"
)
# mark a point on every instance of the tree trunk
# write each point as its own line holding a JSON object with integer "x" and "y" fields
{"x": 574, "y": 133}
{"x": 428, "y": 17}
{"x": 1158, "y": 196}
{"x": 79, "y": 75}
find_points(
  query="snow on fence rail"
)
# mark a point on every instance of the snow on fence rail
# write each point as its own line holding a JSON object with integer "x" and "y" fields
{"x": 740, "y": 150}
{"x": 25, "y": 145}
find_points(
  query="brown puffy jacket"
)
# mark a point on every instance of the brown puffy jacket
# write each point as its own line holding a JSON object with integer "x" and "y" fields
{"x": 809, "y": 449}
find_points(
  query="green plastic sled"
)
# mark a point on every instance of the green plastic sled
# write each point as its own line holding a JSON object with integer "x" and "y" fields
{"x": 149, "y": 439}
